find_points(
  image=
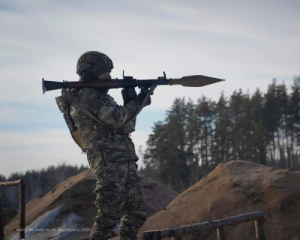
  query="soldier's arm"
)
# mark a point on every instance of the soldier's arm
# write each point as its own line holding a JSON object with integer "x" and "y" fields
{"x": 115, "y": 115}
{"x": 134, "y": 122}
{"x": 107, "y": 110}
{"x": 129, "y": 94}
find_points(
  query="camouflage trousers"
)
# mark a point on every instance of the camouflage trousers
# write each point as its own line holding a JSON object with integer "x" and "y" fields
{"x": 119, "y": 197}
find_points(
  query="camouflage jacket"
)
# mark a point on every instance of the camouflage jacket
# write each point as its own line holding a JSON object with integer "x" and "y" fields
{"x": 113, "y": 142}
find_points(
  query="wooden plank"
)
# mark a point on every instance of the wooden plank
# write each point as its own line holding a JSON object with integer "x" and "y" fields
{"x": 14, "y": 183}
{"x": 1, "y": 222}
{"x": 22, "y": 194}
{"x": 188, "y": 229}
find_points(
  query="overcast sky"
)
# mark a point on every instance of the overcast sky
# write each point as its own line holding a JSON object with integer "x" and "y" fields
{"x": 248, "y": 43}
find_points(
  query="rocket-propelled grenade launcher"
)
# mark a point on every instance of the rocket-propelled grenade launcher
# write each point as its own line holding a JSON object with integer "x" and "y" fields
{"x": 188, "y": 81}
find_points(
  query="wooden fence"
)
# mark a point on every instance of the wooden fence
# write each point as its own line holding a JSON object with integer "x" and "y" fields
{"x": 220, "y": 225}
{"x": 22, "y": 191}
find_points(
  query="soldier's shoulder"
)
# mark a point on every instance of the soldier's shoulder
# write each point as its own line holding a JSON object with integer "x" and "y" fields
{"x": 91, "y": 94}
{"x": 87, "y": 91}
{"x": 87, "y": 94}
{"x": 105, "y": 97}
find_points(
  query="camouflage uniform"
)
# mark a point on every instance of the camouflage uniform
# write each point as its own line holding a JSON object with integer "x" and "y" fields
{"x": 111, "y": 156}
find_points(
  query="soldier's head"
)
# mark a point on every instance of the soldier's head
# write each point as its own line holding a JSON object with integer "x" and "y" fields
{"x": 94, "y": 65}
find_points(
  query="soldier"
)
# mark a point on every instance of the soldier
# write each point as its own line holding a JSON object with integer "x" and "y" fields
{"x": 101, "y": 128}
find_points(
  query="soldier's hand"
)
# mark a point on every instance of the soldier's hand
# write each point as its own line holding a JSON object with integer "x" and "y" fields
{"x": 142, "y": 96}
{"x": 128, "y": 94}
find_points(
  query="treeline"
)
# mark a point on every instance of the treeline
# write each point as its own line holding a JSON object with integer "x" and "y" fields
{"x": 195, "y": 137}
{"x": 38, "y": 183}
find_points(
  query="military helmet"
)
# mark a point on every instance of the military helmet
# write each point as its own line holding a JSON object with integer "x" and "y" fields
{"x": 92, "y": 64}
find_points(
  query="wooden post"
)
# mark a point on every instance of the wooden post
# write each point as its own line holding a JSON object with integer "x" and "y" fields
{"x": 155, "y": 235}
{"x": 259, "y": 229}
{"x": 22, "y": 192}
{"x": 221, "y": 233}
{"x": 1, "y": 222}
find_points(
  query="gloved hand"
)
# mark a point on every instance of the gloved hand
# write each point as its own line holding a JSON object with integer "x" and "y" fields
{"x": 142, "y": 96}
{"x": 128, "y": 94}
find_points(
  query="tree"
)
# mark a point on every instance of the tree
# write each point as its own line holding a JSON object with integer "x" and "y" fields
{"x": 222, "y": 132}
{"x": 258, "y": 139}
{"x": 194, "y": 138}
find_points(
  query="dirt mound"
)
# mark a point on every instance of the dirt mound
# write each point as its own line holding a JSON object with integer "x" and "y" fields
{"x": 234, "y": 188}
{"x": 72, "y": 201}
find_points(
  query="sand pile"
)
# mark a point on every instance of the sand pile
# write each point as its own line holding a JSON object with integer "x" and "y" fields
{"x": 235, "y": 188}
{"x": 71, "y": 205}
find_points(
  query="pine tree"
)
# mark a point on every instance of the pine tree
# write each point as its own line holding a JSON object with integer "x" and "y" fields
{"x": 258, "y": 140}
{"x": 205, "y": 111}
{"x": 222, "y": 132}
{"x": 293, "y": 125}
{"x": 192, "y": 139}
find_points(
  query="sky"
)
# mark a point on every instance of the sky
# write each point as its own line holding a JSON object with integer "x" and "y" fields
{"x": 248, "y": 43}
